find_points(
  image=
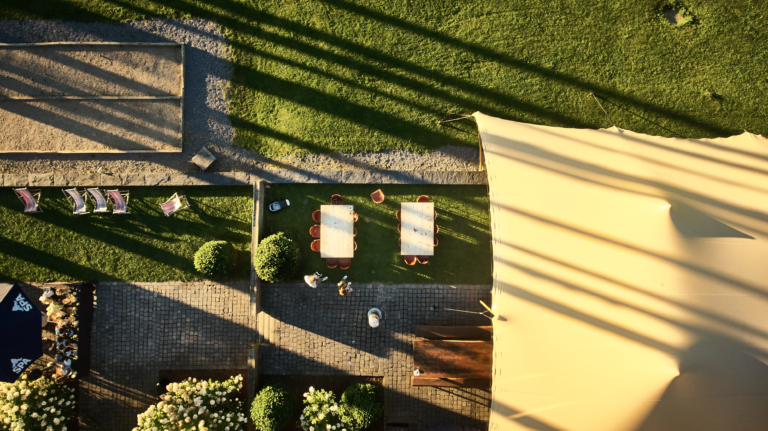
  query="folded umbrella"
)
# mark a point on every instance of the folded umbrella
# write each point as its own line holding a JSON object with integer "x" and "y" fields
{"x": 21, "y": 333}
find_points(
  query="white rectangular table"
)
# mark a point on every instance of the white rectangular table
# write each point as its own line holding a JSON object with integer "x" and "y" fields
{"x": 417, "y": 229}
{"x": 337, "y": 227}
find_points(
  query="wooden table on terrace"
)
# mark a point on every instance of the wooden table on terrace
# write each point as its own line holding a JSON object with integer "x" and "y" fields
{"x": 417, "y": 229}
{"x": 465, "y": 364}
{"x": 337, "y": 228}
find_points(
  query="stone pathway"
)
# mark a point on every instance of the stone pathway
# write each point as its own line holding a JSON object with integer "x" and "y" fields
{"x": 142, "y": 328}
{"x": 318, "y": 332}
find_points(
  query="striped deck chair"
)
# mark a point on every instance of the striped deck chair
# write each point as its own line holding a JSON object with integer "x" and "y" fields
{"x": 99, "y": 202}
{"x": 78, "y": 201}
{"x": 31, "y": 199}
{"x": 174, "y": 204}
{"x": 119, "y": 201}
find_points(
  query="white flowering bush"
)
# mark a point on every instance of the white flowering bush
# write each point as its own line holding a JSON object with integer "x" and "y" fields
{"x": 41, "y": 405}
{"x": 197, "y": 405}
{"x": 320, "y": 412}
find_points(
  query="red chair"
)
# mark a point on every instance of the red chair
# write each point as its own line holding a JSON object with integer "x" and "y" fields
{"x": 423, "y": 259}
{"x": 410, "y": 260}
{"x": 354, "y": 217}
{"x": 399, "y": 242}
{"x": 377, "y": 196}
{"x": 315, "y": 231}
{"x": 398, "y": 227}
{"x": 337, "y": 200}
{"x": 316, "y": 245}
{"x": 422, "y": 199}
{"x": 345, "y": 262}
{"x": 355, "y": 234}
{"x": 435, "y": 242}
{"x": 316, "y": 216}
{"x": 437, "y": 229}
{"x": 332, "y": 262}
{"x": 355, "y": 243}
{"x": 397, "y": 214}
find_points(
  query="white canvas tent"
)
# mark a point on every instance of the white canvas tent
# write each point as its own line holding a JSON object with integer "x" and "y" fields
{"x": 630, "y": 279}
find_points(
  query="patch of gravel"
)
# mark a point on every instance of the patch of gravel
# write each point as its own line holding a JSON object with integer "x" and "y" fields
{"x": 208, "y": 72}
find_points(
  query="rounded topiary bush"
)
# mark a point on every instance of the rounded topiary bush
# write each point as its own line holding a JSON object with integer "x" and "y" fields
{"x": 272, "y": 408}
{"x": 215, "y": 258}
{"x": 276, "y": 259}
{"x": 361, "y": 405}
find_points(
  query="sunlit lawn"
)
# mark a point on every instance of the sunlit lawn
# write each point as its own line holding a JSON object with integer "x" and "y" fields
{"x": 142, "y": 246}
{"x": 364, "y": 75}
{"x": 463, "y": 255}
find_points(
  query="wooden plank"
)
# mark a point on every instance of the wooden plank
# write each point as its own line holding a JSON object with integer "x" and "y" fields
{"x": 453, "y": 359}
{"x": 454, "y": 332}
{"x": 417, "y": 229}
{"x": 337, "y": 227}
{"x": 452, "y": 383}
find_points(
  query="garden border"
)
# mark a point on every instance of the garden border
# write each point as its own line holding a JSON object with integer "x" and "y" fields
{"x": 75, "y": 179}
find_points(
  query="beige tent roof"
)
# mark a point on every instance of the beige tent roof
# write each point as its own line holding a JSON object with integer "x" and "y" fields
{"x": 630, "y": 279}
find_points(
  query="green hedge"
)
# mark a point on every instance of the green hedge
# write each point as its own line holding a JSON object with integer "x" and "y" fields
{"x": 276, "y": 259}
{"x": 361, "y": 405}
{"x": 215, "y": 258}
{"x": 272, "y": 408}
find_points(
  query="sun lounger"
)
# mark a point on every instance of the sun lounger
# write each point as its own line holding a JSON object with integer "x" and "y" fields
{"x": 31, "y": 199}
{"x": 78, "y": 201}
{"x": 99, "y": 202}
{"x": 174, "y": 204}
{"x": 119, "y": 201}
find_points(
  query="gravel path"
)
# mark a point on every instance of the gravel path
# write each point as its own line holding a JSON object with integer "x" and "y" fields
{"x": 205, "y": 111}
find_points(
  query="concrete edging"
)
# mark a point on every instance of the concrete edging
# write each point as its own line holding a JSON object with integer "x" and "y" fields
{"x": 284, "y": 176}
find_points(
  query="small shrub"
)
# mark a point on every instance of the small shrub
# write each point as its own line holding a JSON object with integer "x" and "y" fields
{"x": 361, "y": 406}
{"x": 215, "y": 258}
{"x": 276, "y": 259}
{"x": 22, "y": 404}
{"x": 272, "y": 408}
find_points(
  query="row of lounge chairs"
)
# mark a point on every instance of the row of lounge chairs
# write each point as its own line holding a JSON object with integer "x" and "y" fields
{"x": 78, "y": 198}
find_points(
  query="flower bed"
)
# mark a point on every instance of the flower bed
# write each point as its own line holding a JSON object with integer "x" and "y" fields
{"x": 36, "y": 405}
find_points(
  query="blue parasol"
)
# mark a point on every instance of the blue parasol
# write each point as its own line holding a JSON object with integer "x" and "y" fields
{"x": 21, "y": 333}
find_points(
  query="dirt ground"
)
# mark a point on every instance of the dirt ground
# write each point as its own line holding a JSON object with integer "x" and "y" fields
{"x": 89, "y": 125}
{"x": 90, "y": 70}
{"x": 41, "y": 124}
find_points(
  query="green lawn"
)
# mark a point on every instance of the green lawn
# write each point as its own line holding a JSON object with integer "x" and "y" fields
{"x": 142, "y": 246}
{"x": 463, "y": 255}
{"x": 364, "y": 75}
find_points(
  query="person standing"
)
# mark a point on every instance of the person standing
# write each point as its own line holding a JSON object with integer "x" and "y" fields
{"x": 313, "y": 279}
{"x": 374, "y": 317}
{"x": 345, "y": 287}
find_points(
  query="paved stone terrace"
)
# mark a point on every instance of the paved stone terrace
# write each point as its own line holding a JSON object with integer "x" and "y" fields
{"x": 319, "y": 332}
{"x": 142, "y": 328}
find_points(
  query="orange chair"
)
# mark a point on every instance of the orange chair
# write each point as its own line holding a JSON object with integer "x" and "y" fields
{"x": 337, "y": 200}
{"x": 398, "y": 227}
{"x": 397, "y": 214}
{"x": 437, "y": 229}
{"x": 399, "y": 242}
{"x": 423, "y": 259}
{"x": 436, "y": 241}
{"x": 354, "y": 217}
{"x": 377, "y": 196}
{"x": 355, "y": 243}
{"x": 316, "y": 216}
{"x": 316, "y": 245}
{"x": 422, "y": 199}
{"x": 345, "y": 262}
{"x": 410, "y": 260}
{"x": 332, "y": 262}
{"x": 315, "y": 231}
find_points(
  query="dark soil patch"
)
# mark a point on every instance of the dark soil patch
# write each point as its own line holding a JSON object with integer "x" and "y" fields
{"x": 220, "y": 375}
{"x": 297, "y": 385}
{"x": 673, "y": 16}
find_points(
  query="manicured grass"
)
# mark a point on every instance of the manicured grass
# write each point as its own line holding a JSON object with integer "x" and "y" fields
{"x": 463, "y": 255}
{"x": 142, "y": 246}
{"x": 365, "y": 75}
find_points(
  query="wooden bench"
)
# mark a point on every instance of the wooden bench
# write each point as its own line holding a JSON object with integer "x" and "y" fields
{"x": 464, "y": 363}
{"x": 454, "y": 332}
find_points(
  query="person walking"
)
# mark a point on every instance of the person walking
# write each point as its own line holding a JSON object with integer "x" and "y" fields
{"x": 374, "y": 317}
{"x": 313, "y": 279}
{"x": 345, "y": 287}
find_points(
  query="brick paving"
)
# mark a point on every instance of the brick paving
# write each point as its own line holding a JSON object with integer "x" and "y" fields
{"x": 142, "y": 328}
{"x": 318, "y": 332}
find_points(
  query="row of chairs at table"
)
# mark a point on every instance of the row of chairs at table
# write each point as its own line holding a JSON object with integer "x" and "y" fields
{"x": 413, "y": 260}
{"x": 101, "y": 201}
{"x": 314, "y": 231}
